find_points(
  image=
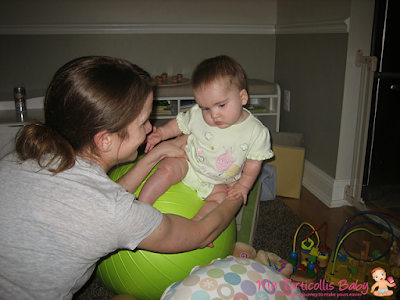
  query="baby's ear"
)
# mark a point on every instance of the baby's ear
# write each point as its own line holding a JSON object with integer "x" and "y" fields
{"x": 244, "y": 96}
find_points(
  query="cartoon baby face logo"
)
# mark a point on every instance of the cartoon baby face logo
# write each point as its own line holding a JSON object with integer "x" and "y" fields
{"x": 379, "y": 275}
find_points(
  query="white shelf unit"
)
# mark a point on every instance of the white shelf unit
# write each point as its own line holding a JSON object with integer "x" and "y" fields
{"x": 261, "y": 93}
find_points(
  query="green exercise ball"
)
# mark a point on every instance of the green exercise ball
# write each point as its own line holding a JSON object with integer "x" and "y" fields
{"x": 144, "y": 274}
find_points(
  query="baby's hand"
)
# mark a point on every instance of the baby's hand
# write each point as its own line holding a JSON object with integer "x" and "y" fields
{"x": 236, "y": 191}
{"x": 153, "y": 139}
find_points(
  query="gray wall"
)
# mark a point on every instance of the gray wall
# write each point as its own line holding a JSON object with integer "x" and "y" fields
{"x": 137, "y": 12}
{"x": 312, "y": 11}
{"x": 312, "y": 68}
{"x": 31, "y": 60}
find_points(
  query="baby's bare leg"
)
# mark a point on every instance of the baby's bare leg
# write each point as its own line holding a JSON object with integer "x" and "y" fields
{"x": 217, "y": 195}
{"x": 169, "y": 172}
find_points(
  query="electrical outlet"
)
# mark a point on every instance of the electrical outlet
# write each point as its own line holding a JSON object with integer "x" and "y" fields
{"x": 286, "y": 100}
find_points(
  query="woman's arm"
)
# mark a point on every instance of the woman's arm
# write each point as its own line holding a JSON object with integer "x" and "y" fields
{"x": 177, "y": 234}
{"x": 135, "y": 176}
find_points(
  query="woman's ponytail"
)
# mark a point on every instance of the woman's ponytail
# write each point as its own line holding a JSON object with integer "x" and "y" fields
{"x": 39, "y": 142}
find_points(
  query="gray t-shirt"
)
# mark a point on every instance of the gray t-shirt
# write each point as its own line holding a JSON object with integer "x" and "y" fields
{"x": 54, "y": 228}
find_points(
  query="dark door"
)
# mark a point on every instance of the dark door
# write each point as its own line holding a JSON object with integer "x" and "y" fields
{"x": 382, "y": 166}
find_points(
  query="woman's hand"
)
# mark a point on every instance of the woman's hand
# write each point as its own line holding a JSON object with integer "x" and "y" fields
{"x": 172, "y": 148}
{"x": 163, "y": 133}
{"x": 135, "y": 176}
{"x": 153, "y": 139}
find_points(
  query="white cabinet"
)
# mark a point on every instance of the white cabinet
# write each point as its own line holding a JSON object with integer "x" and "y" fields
{"x": 264, "y": 102}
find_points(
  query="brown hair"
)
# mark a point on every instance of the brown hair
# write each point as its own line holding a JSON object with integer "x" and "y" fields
{"x": 87, "y": 95}
{"x": 377, "y": 269}
{"x": 218, "y": 67}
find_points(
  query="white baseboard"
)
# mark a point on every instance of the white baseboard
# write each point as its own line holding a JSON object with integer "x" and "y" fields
{"x": 331, "y": 192}
{"x": 323, "y": 186}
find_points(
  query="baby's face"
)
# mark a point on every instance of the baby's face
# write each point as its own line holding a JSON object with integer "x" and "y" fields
{"x": 379, "y": 275}
{"x": 221, "y": 103}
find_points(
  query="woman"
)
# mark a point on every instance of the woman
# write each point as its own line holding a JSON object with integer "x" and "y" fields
{"x": 60, "y": 213}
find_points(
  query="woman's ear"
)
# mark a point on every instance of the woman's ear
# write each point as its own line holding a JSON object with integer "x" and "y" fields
{"x": 244, "y": 96}
{"x": 103, "y": 141}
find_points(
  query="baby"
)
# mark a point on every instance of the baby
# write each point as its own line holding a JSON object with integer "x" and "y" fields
{"x": 226, "y": 143}
{"x": 379, "y": 275}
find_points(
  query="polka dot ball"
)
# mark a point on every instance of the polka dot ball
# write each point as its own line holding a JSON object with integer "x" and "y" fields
{"x": 234, "y": 278}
